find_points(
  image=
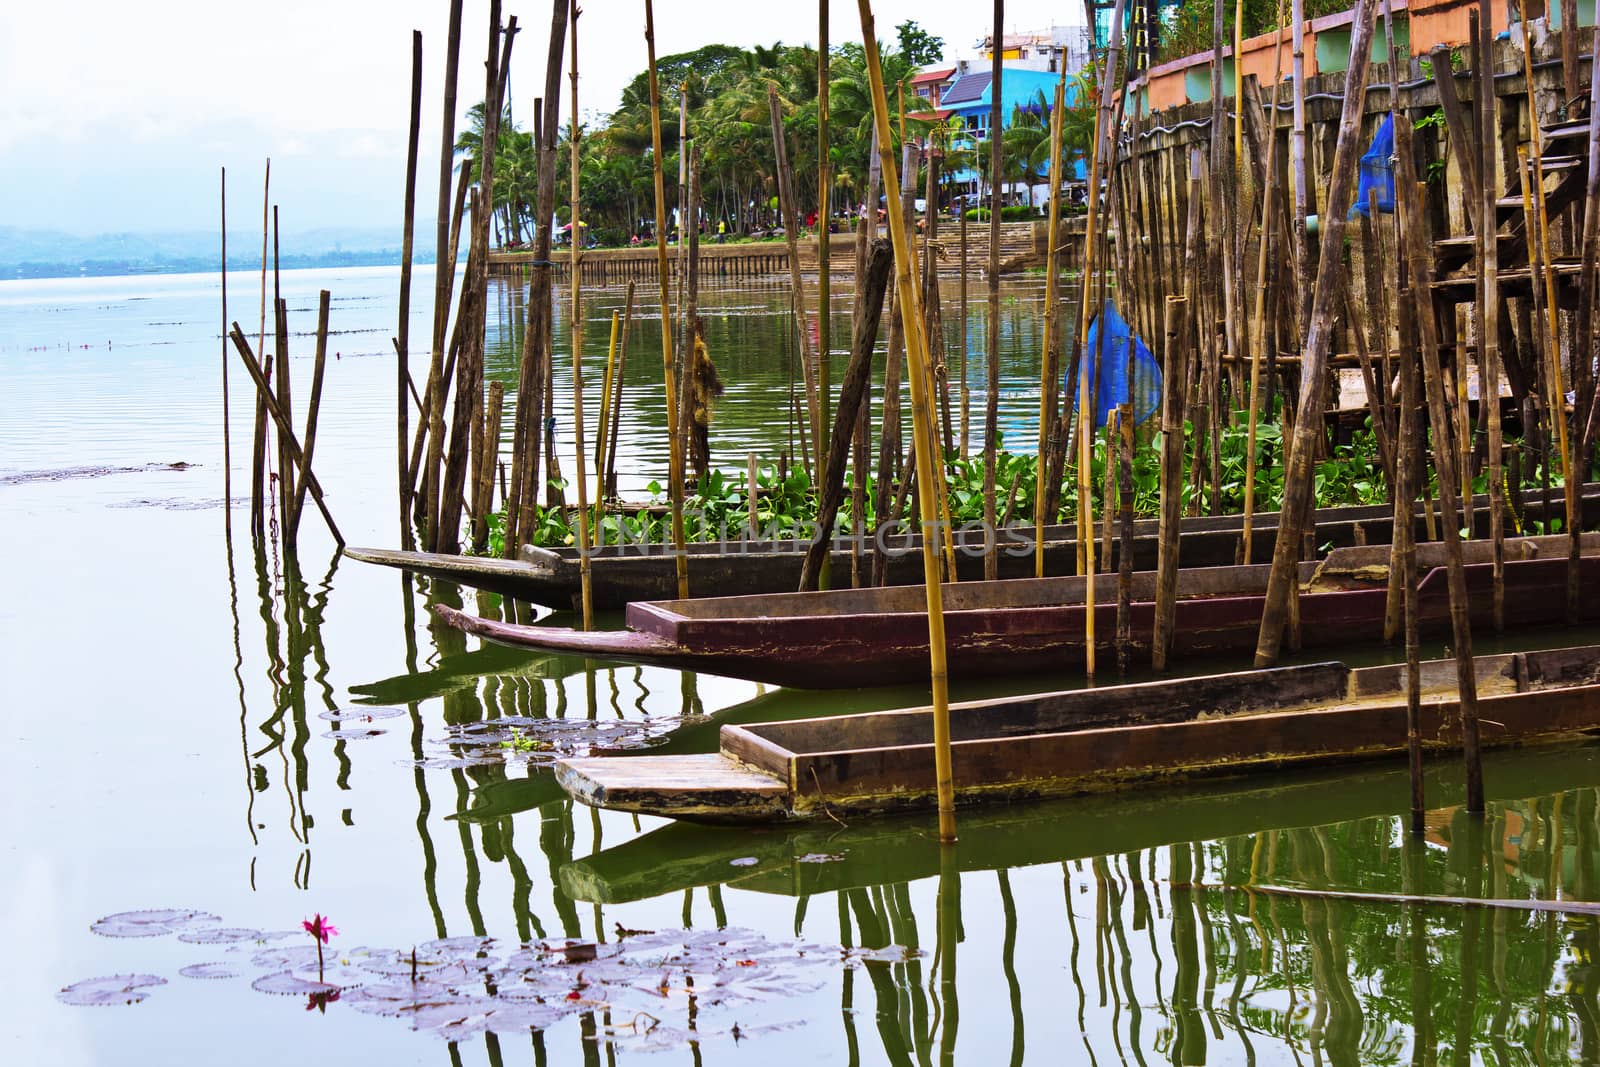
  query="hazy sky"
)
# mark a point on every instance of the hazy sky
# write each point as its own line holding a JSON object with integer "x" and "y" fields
{"x": 117, "y": 116}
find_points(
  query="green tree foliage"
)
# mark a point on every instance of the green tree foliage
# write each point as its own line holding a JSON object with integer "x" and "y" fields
{"x": 920, "y": 47}
{"x": 725, "y": 90}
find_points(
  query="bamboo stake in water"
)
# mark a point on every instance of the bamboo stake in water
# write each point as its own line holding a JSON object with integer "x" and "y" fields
{"x": 1102, "y": 154}
{"x": 227, "y": 445}
{"x": 312, "y": 409}
{"x": 1417, "y": 249}
{"x": 1489, "y": 303}
{"x": 1176, "y": 388}
{"x": 258, "y": 458}
{"x": 797, "y": 292}
{"x": 574, "y": 138}
{"x": 922, "y": 414}
{"x": 824, "y": 232}
{"x": 1258, "y": 330}
{"x": 675, "y": 453}
{"x": 1052, "y": 347}
{"x": 601, "y": 435}
{"x": 403, "y": 336}
{"x": 991, "y": 402}
{"x": 616, "y": 394}
{"x": 1124, "y": 535}
{"x": 264, "y": 391}
{"x": 1298, "y": 473}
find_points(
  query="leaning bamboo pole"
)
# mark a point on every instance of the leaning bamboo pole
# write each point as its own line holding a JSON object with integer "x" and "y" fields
{"x": 922, "y": 415}
{"x": 1102, "y": 154}
{"x": 1052, "y": 341}
{"x": 575, "y": 241}
{"x": 1299, "y": 474}
{"x": 313, "y": 409}
{"x": 674, "y": 451}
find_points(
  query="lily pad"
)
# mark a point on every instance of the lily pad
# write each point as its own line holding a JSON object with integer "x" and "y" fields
{"x": 288, "y": 984}
{"x": 210, "y": 970}
{"x": 112, "y": 989}
{"x": 359, "y": 715}
{"x": 220, "y": 935}
{"x": 157, "y": 922}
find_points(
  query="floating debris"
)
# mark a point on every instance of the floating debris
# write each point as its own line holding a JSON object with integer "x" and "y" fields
{"x": 359, "y": 714}
{"x": 113, "y": 989}
{"x": 542, "y": 741}
{"x": 64, "y": 474}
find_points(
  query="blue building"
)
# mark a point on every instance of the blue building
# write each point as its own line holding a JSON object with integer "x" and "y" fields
{"x": 970, "y": 97}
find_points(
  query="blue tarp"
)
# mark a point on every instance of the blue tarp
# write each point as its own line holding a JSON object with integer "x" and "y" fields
{"x": 1106, "y": 362}
{"x": 1377, "y": 172}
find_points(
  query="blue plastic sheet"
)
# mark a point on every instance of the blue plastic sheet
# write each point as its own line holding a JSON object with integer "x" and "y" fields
{"x": 1377, "y": 172}
{"x": 1106, "y": 362}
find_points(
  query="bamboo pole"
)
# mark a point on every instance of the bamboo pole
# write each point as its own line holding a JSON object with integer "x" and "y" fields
{"x": 1170, "y": 527}
{"x": 797, "y": 292}
{"x": 227, "y": 444}
{"x": 922, "y": 414}
{"x": 258, "y": 454}
{"x": 1124, "y": 536}
{"x": 574, "y": 139}
{"x": 752, "y": 521}
{"x": 1049, "y": 365}
{"x": 1558, "y": 405}
{"x": 1417, "y": 249}
{"x": 264, "y": 390}
{"x": 313, "y": 407}
{"x": 601, "y": 433}
{"x": 1102, "y": 154}
{"x": 1488, "y": 234}
{"x": 966, "y": 391}
{"x": 527, "y": 432}
{"x": 484, "y": 465}
{"x": 444, "y": 280}
{"x": 824, "y": 232}
{"x": 1297, "y": 172}
{"x": 1407, "y": 471}
{"x": 675, "y": 452}
{"x": 1258, "y": 339}
{"x": 403, "y": 328}
{"x": 991, "y": 402}
{"x": 1298, "y": 473}
{"x": 857, "y": 377}
{"x": 1590, "y": 261}
{"x": 616, "y": 394}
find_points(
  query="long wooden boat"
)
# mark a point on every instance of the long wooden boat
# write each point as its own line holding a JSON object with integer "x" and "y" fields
{"x": 1094, "y": 740}
{"x": 625, "y": 573}
{"x": 808, "y": 857}
{"x": 849, "y": 638}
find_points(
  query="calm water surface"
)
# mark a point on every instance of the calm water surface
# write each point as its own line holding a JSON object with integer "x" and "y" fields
{"x": 183, "y": 730}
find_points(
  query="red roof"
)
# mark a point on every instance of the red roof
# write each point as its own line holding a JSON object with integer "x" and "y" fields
{"x": 933, "y": 76}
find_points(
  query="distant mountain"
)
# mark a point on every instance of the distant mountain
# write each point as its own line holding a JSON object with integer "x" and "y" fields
{"x": 31, "y": 253}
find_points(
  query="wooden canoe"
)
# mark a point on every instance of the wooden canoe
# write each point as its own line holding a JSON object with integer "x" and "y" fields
{"x": 849, "y": 638}
{"x": 820, "y": 856}
{"x": 1094, "y": 740}
{"x": 622, "y": 574}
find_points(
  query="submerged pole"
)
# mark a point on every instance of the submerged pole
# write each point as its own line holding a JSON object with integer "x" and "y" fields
{"x": 921, "y": 414}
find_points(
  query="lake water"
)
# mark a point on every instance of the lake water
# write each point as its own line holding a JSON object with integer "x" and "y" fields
{"x": 191, "y": 725}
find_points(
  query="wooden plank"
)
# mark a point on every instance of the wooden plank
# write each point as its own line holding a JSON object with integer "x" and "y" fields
{"x": 686, "y": 787}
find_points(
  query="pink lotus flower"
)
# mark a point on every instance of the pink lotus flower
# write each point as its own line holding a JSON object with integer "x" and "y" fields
{"x": 320, "y": 928}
